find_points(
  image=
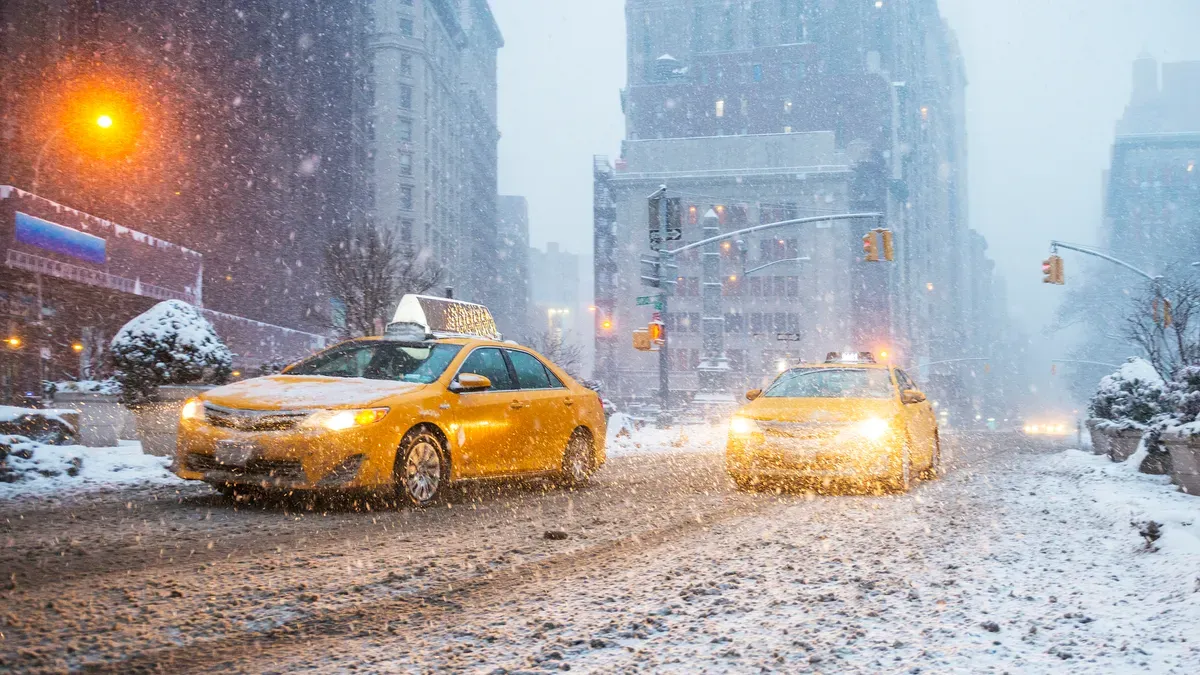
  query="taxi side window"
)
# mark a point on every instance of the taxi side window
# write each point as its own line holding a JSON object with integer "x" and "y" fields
{"x": 531, "y": 374}
{"x": 903, "y": 380}
{"x": 489, "y": 362}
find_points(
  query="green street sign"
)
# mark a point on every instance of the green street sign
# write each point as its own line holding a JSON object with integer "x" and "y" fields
{"x": 658, "y": 305}
{"x": 646, "y": 300}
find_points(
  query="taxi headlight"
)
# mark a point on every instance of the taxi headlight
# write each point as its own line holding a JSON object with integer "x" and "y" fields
{"x": 340, "y": 420}
{"x": 872, "y": 429}
{"x": 193, "y": 409}
{"x": 743, "y": 426}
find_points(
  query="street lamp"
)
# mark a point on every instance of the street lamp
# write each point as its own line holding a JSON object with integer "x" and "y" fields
{"x": 102, "y": 121}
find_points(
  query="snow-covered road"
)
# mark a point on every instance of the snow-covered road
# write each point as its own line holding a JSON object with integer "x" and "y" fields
{"x": 1021, "y": 560}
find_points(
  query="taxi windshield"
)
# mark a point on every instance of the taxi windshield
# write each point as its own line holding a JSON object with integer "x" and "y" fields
{"x": 403, "y": 362}
{"x": 832, "y": 383}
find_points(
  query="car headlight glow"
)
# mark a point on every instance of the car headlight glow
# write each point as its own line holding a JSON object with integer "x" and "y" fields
{"x": 872, "y": 429}
{"x": 340, "y": 420}
{"x": 743, "y": 426}
{"x": 193, "y": 409}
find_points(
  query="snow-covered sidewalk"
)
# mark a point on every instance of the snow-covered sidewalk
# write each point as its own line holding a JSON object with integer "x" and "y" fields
{"x": 34, "y": 470}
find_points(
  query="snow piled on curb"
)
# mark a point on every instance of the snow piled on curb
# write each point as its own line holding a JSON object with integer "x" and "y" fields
{"x": 58, "y": 470}
{"x": 632, "y": 436}
{"x": 1129, "y": 498}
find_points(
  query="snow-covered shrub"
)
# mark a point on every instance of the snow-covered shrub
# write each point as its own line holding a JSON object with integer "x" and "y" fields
{"x": 1129, "y": 398}
{"x": 170, "y": 343}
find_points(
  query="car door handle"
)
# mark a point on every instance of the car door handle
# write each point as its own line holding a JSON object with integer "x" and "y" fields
{"x": 517, "y": 405}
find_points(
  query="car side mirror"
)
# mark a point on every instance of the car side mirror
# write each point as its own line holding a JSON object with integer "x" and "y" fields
{"x": 469, "y": 382}
{"x": 753, "y": 394}
{"x": 911, "y": 396}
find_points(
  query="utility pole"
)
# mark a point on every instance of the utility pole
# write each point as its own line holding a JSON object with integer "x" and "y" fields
{"x": 714, "y": 389}
{"x": 664, "y": 260}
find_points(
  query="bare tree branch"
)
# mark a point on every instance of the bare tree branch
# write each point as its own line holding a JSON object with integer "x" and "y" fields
{"x": 553, "y": 345}
{"x": 367, "y": 270}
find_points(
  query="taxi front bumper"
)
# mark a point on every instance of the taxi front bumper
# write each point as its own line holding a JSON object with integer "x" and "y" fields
{"x": 297, "y": 459}
{"x": 837, "y": 455}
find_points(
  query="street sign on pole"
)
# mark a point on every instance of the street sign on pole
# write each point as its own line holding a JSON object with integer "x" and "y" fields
{"x": 645, "y": 299}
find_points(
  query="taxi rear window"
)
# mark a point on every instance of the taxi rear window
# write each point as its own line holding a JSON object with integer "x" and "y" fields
{"x": 422, "y": 363}
{"x": 831, "y": 383}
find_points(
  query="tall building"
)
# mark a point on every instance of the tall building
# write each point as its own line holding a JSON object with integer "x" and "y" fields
{"x": 511, "y": 306}
{"x": 555, "y": 292}
{"x": 252, "y": 132}
{"x": 758, "y": 112}
{"x": 231, "y": 131}
{"x": 431, "y": 134}
{"x": 1152, "y": 201}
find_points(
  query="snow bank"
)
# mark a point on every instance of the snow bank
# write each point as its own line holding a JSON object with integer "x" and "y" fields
{"x": 636, "y": 436}
{"x": 109, "y": 386}
{"x": 34, "y": 469}
{"x": 1119, "y": 493}
{"x": 9, "y": 414}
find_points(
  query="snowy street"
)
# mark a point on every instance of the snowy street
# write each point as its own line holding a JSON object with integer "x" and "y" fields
{"x": 1021, "y": 559}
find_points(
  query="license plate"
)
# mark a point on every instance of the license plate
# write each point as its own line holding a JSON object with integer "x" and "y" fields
{"x": 234, "y": 453}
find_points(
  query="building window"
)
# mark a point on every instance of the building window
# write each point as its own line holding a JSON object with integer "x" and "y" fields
{"x": 720, "y": 107}
{"x": 405, "y": 126}
{"x": 756, "y": 321}
{"x": 787, "y": 105}
{"x": 406, "y": 26}
{"x": 406, "y": 65}
{"x": 787, "y": 129}
{"x": 406, "y": 164}
{"x": 745, "y": 105}
{"x": 758, "y": 72}
{"x": 406, "y": 197}
{"x": 405, "y": 97}
{"x": 406, "y": 230}
{"x": 734, "y": 323}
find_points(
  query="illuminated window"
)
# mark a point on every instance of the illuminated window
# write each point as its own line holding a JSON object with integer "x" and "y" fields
{"x": 787, "y": 105}
{"x": 720, "y": 107}
{"x": 787, "y": 130}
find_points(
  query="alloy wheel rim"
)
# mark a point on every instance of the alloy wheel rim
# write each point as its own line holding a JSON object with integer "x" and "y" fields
{"x": 422, "y": 470}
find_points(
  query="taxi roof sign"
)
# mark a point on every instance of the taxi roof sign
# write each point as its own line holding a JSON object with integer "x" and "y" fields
{"x": 849, "y": 357}
{"x": 421, "y": 316}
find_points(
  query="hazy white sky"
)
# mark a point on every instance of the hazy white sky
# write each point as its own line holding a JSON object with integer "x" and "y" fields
{"x": 1048, "y": 80}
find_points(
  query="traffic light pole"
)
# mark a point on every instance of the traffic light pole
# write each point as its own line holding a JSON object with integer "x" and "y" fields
{"x": 1055, "y": 245}
{"x": 664, "y": 259}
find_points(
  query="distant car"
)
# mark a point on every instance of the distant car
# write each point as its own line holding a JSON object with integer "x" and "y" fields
{"x": 425, "y": 406}
{"x": 847, "y": 419}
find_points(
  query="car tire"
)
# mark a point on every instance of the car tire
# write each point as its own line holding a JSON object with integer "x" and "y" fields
{"x": 235, "y": 492}
{"x": 935, "y": 465}
{"x": 422, "y": 470}
{"x": 901, "y": 478}
{"x": 578, "y": 460}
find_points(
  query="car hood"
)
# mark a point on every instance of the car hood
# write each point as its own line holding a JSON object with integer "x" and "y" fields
{"x": 819, "y": 410}
{"x": 307, "y": 392}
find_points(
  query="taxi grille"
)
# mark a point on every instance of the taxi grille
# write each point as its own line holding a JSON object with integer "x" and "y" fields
{"x": 803, "y": 430}
{"x": 256, "y": 468}
{"x": 252, "y": 420}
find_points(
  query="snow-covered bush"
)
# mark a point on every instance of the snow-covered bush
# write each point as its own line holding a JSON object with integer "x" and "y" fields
{"x": 170, "y": 343}
{"x": 1129, "y": 398}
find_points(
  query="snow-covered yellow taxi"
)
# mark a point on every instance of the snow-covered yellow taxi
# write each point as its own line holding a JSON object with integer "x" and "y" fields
{"x": 847, "y": 419}
{"x": 438, "y": 399}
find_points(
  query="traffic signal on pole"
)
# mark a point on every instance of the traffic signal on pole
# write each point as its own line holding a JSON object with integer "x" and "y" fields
{"x": 656, "y": 332}
{"x": 641, "y": 340}
{"x": 889, "y": 249}
{"x": 1166, "y": 313}
{"x": 1164, "y": 318}
{"x": 1052, "y": 271}
{"x": 871, "y": 246}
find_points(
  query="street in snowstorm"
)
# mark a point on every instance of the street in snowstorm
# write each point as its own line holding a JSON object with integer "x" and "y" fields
{"x": 1025, "y": 557}
{"x": 604, "y": 336}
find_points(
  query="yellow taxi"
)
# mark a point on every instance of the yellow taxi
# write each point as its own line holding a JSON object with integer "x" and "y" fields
{"x": 438, "y": 399}
{"x": 847, "y": 419}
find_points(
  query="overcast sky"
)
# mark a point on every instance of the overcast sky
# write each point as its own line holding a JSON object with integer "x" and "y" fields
{"x": 1048, "y": 80}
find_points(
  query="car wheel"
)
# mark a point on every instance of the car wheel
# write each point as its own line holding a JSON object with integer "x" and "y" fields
{"x": 422, "y": 470}
{"x": 935, "y": 465}
{"x": 578, "y": 460}
{"x": 901, "y": 479}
